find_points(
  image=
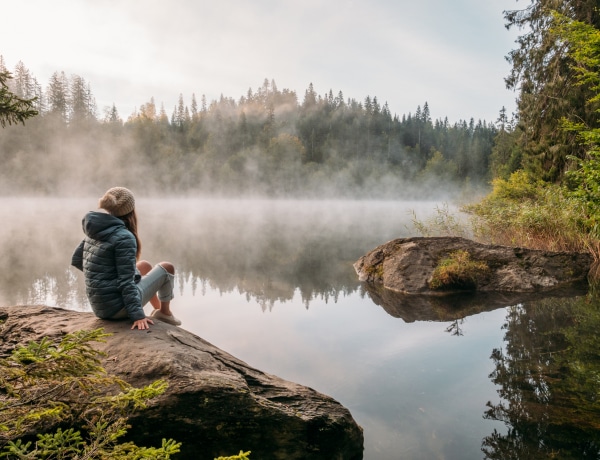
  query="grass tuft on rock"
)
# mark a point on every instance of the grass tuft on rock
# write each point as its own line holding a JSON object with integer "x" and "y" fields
{"x": 457, "y": 271}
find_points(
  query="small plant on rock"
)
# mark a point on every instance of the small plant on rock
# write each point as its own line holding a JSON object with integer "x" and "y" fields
{"x": 57, "y": 401}
{"x": 241, "y": 456}
{"x": 457, "y": 271}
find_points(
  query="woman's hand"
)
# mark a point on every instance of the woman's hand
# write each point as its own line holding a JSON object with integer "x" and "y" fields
{"x": 142, "y": 323}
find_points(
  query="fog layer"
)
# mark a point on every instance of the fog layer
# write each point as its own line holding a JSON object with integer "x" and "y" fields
{"x": 265, "y": 143}
{"x": 267, "y": 249}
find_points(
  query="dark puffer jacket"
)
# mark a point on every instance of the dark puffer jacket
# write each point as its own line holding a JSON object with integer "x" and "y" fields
{"x": 107, "y": 258}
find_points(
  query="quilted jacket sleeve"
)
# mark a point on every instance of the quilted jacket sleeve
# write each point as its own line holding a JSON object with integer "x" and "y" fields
{"x": 77, "y": 258}
{"x": 125, "y": 252}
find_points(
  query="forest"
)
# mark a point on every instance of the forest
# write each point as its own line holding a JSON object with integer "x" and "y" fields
{"x": 277, "y": 143}
{"x": 265, "y": 143}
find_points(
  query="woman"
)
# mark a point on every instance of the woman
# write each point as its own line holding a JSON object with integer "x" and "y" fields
{"x": 117, "y": 283}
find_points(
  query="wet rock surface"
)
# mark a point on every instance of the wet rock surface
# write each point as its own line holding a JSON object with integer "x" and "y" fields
{"x": 215, "y": 405}
{"x": 406, "y": 266}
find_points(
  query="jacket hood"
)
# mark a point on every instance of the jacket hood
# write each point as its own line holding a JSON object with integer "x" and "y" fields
{"x": 99, "y": 225}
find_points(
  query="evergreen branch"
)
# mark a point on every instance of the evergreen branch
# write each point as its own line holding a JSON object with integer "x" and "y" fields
{"x": 13, "y": 109}
{"x": 46, "y": 383}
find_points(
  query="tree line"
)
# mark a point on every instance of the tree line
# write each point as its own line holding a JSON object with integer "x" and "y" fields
{"x": 267, "y": 143}
{"x": 272, "y": 142}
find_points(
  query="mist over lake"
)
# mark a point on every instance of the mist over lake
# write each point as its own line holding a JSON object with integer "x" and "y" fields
{"x": 272, "y": 282}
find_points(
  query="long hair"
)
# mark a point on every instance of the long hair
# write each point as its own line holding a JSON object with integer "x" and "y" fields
{"x": 131, "y": 225}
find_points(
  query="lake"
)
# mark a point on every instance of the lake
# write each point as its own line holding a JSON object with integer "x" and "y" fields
{"x": 272, "y": 282}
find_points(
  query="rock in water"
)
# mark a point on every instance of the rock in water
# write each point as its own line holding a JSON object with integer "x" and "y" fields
{"x": 215, "y": 404}
{"x": 406, "y": 265}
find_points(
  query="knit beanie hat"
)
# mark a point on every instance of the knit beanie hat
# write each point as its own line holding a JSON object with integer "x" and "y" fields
{"x": 118, "y": 201}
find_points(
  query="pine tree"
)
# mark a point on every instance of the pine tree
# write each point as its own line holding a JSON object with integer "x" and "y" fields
{"x": 542, "y": 74}
{"x": 204, "y": 104}
{"x": 339, "y": 101}
{"x": 426, "y": 116}
{"x": 82, "y": 105}
{"x": 181, "y": 115}
{"x": 39, "y": 97}
{"x": 58, "y": 95}
{"x": 163, "y": 118}
{"x": 13, "y": 109}
{"x": 111, "y": 115}
{"x": 194, "y": 107}
{"x": 310, "y": 97}
{"x": 23, "y": 82}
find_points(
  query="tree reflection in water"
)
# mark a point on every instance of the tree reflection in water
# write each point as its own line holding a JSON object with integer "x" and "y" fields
{"x": 268, "y": 250}
{"x": 549, "y": 378}
{"x": 455, "y": 328}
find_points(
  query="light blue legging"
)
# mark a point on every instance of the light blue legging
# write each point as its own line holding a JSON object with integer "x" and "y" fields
{"x": 156, "y": 281}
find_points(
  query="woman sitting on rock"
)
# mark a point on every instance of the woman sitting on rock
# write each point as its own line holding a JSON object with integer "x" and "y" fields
{"x": 118, "y": 284}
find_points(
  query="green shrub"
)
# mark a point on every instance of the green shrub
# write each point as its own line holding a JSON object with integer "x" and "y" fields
{"x": 60, "y": 382}
{"x": 457, "y": 271}
{"x": 522, "y": 211}
{"x": 241, "y": 456}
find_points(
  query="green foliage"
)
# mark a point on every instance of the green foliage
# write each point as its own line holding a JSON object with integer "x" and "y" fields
{"x": 506, "y": 155}
{"x": 13, "y": 109}
{"x": 241, "y": 456}
{"x": 60, "y": 382}
{"x": 542, "y": 72}
{"x": 438, "y": 168}
{"x": 583, "y": 41}
{"x": 586, "y": 182}
{"x": 519, "y": 186}
{"x": 523, "y": 211}
{"x": 457, "y": 271}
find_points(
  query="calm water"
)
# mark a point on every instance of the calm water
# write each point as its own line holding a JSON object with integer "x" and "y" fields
{"x": 272, "y": 283}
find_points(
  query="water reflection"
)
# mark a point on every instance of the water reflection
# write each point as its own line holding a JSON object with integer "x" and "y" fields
{"x": 414, "y": 371}
{"x": 453, "y": 307}
{"x": 549, "y": 378}
{"x": 266, "y": 250}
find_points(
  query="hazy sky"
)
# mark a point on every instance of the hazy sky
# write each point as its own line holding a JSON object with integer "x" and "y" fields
{"x": 448, "y": 53}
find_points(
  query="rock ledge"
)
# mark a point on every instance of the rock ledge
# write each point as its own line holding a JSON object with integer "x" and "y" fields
{"x": 215, "y": 405}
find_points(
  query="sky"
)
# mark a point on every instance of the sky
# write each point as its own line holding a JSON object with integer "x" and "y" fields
{"x": 450, "y": 54}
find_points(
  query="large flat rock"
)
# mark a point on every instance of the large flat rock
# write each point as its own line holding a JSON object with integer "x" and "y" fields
{"x": 215, "y": 404}
{"x": 406, "y": 265}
